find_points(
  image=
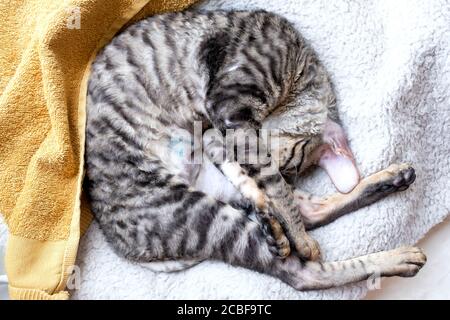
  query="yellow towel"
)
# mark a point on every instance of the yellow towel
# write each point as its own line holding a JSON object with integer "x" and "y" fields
{"x": 46, "y": 48}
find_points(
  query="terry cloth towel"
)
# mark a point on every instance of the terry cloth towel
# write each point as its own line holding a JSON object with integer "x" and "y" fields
{"x": 390, "y": 62}
{"x": 46, "y": 49}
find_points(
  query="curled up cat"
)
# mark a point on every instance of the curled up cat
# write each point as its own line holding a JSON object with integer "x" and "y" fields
{"x": 198, "y": 125}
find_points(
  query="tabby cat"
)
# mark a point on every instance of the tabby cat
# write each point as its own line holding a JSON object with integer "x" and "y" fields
{"x": 174, "y": 86}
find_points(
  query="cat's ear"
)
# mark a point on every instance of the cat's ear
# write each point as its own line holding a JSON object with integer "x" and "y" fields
{"x": 337, "y": 159}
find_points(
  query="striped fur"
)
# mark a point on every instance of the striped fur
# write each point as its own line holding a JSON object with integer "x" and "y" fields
{"x": 225, "y": 70}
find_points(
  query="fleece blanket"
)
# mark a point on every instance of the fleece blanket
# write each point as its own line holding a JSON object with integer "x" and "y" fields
{"x": 390, "y": 64}
{"x": 46, "y": 50}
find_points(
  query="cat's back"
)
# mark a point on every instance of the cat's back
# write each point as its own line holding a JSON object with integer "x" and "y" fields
{"x": 157, "y": 72}
{"x": 154, "y": 54}
{"x": 172, "y": 54}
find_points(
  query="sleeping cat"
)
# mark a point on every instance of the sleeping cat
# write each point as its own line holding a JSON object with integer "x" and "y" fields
{"x": 179, "y": 104}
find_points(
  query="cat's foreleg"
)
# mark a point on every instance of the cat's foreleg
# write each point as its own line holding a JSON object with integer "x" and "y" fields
{"x": 317, "y": 211}
{"x": 265, "y": 188}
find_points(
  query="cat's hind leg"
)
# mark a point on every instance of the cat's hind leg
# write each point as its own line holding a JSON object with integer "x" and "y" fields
{"x": 403, "y": 262}
{"x": 152, "y": 215}
{"x": 317, "y": 211}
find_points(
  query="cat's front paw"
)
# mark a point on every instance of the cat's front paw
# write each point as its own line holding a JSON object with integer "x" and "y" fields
{"x": 308, "y": 248}
{"x": 278, "y": 243}
{"x": 281, "y": 245}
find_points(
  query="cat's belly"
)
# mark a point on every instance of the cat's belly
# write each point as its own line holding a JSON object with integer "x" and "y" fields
{"x": 212, "y": 182}
{"x": 203, "y": 176}
{"x": 186, "y": 159}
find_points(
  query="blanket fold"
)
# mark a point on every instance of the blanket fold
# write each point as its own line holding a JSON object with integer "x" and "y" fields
{"x": 47, "y": 48}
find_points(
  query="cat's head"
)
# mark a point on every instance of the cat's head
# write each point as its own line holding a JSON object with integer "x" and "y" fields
{"x": 306, "y": 119}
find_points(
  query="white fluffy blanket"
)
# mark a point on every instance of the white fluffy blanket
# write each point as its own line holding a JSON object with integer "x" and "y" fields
{"x": 390, "y": 62}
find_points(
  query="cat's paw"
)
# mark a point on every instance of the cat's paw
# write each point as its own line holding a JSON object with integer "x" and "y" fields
{"x": 278, "y": 243}
{"x": 283, "y": 247}
{"x": 308, "y": 248}
{"x": 403, "y": 176}
{"x": 397, "y": 177}
{"x": 282, "y": 244}
{"x": 402, "y": 262}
